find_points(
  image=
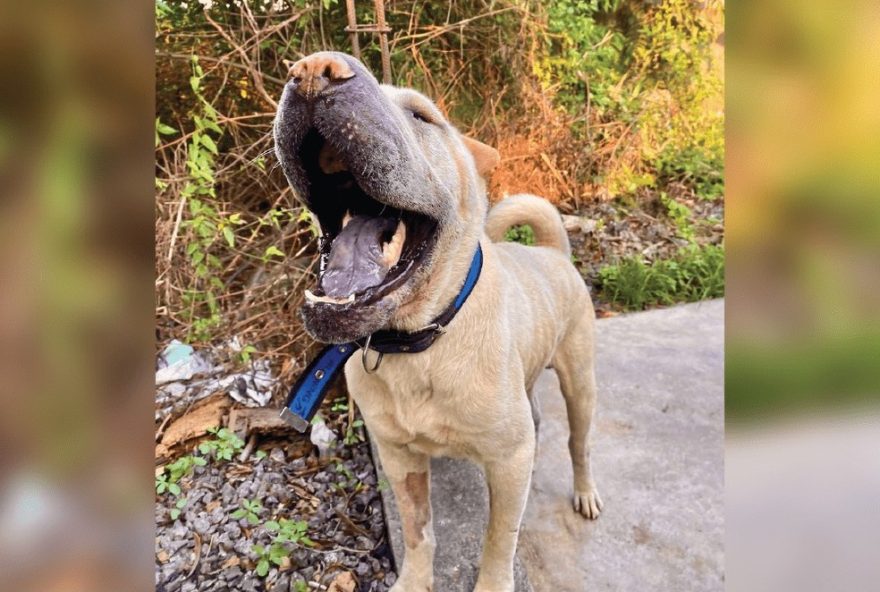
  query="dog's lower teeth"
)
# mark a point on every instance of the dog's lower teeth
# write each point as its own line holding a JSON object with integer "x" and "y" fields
{"x": 313, "y": 298}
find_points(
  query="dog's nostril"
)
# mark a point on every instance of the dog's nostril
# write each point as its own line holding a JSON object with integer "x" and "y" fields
{"x": 297, "y": 79}
{"x": 328, "y": 72}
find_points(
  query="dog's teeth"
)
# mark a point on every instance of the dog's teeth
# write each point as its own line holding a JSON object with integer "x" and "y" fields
{"x": 392, "y": 249}
{"x": 346, "y": 218}
{"x": 312, "y": 298}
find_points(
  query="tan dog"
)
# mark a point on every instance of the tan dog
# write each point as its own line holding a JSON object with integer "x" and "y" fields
{"x": 400, "y": 198}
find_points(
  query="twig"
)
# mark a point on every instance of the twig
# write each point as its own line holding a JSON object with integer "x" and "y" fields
{"x": 249, "y": 448}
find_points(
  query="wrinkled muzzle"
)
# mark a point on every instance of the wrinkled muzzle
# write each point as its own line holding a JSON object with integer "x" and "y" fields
{"x": 347, "y": 155}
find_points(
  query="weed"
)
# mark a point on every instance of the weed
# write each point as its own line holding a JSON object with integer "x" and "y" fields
{"x": 178, "y": 507}
{"x": 224, "y": 446}
{"x": 300, "y": 586}
{"x": 523, "y": 235}
{"x": 352, "y": 433}
{"x": 681, "y": 216}
{"x": 174, "y": 472}
{"x": 245, "y": 354}
{"x": 695, "y": 273}
{"x": 287, "y": 531}
{"x": 274, "y": 553}
{"x": 250, "y": 510}
{"x": 340, "y": 405}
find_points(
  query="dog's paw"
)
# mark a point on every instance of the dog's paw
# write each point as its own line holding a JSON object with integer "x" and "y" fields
{"x": 588, "y": 503}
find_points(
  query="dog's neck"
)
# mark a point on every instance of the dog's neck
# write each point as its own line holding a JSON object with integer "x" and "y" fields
{"x": 442, "y": 285}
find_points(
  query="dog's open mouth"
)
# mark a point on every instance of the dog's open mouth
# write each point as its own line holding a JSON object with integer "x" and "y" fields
{"x": 370, "y": 249}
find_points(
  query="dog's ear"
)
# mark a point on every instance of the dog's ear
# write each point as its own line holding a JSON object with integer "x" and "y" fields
{"x": 485, "y": 157}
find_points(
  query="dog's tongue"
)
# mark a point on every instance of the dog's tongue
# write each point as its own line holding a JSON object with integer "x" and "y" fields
{"x": 356, "y": 259}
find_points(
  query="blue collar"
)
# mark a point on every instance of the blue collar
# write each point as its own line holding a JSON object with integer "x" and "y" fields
{"x": 309, "y": 390}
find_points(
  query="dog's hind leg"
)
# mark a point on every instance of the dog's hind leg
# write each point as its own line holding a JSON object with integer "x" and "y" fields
{"x": 573, "y": 362}
{"x": 410, "y": 476}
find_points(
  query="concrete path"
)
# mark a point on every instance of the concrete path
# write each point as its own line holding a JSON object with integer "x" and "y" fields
{"x": 657, "y": 456}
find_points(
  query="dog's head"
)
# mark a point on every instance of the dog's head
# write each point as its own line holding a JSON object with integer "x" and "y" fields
{"x": 396, "y": 189}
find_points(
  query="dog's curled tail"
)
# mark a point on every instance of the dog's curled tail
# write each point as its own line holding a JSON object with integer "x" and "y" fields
{"x": 534, "y": 211}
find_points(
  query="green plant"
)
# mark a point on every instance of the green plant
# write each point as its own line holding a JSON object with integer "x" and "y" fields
{"x": 178, "y": 507}
{"x": 350, "y": 480}
{"x": 250, "y": 510}
{"x": 695, "y": 273}
{"x": 300, "y": 586}
{"x": 289, "y": 531}
{"x": 286, "y": 531}
{"x": 681, "y": 215}
{"x": 174, "y": 472}
{"x": 245, "y": 354}
{"x": 224, "y": 446}
{"x": 274, "y": 553}
{"x": 523, "y": 235}
{"x": 352, "y": 434}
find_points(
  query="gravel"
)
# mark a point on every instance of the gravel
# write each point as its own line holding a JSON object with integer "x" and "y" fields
{"x": 291, "y": 482}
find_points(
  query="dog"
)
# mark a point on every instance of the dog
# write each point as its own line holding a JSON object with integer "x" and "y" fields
{"x": 400, "y": 198}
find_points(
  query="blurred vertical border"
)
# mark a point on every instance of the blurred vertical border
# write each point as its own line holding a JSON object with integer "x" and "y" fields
{"x": 803, "y": 224}
{"x": 76, "y": 337}
{"x": 803, "y": 295}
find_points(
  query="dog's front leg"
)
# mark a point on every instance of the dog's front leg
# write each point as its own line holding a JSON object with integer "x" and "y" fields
{"x": 410, "y": 476}
{"x": 508, "y": 481}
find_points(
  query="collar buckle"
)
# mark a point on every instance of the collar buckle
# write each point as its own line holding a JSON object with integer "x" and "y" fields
{"x": 437, "y": 328}
{"x": 367, "y": 368}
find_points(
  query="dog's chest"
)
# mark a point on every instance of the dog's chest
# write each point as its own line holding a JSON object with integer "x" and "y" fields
{"x": 410, "y": 409}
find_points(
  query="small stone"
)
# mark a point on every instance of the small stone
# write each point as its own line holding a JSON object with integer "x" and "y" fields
{"x": 281, "y": 584}
{"x": 277, "y": 455}
{"x": 232, "y": 575}
{"x": 232, "y": 530}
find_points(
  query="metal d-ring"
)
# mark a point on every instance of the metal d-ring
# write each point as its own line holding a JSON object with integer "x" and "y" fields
{"x": 367, "y": 368}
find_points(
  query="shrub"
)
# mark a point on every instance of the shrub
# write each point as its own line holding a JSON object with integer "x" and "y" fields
{"x": 695, "y": 273}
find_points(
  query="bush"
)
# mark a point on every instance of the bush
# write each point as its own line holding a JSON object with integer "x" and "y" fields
{"x": 695, "y": 273}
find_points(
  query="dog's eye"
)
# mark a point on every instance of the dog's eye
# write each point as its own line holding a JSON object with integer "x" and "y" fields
{"x": 420, "y": 117}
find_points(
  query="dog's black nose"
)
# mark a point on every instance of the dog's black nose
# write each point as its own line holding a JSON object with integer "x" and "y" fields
{"x": 313, "y": 74}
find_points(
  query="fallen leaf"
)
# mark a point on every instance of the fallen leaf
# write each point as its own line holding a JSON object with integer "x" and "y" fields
{"x": 212, "y": 505}
{"x": 344, "y": 582}
{"x": 232, "y": 561}
{"x": 162, "y": 556}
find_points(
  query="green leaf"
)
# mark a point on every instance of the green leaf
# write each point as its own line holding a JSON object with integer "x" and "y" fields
{"x": 208, "y": 143}
{"x": 175, "y": 513}
{"x": 272, "y": 525}
{"x": 239, "y": 514}
{"x": 258, "y": 549}
{"x": 262, "y": 567}
{"x": 195, "y": 83}
{"x": 253, "y": 519}
{"x": 273, "y": 250}
{"x": 174, "y": 488}
{"x": 212, "y": 125}
{"x": 165, "y": 130}
{"x": 229, "y": 236}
